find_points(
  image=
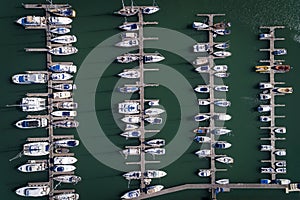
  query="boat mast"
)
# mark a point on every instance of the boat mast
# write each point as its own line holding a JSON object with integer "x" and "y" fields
{"x": 123, "y": 4}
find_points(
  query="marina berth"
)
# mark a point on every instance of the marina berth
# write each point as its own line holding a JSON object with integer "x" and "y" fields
{"x": 220, "y": 68}
{"x": 222, "y": 181}
{"x": 201, "y": 117}
{"x": 131, "y": 194}
{"x": 225, "y": 160}
{"x": 31, "y": 104}
{"x": 131, "y": 119}
{"x": 32, "y": 21}
{"x": 64, "y": 87}
{"x": 65, "y": 105}
{"x": 64, "y": 113}
{"x": 265, "y": 118}
{"x": 129, "y": 108}
{"x": 62, "y": 95}
{"x": 204, "y": 173}
{"x": 201, "y": 139}
{"x": 202, "y": 130}
{"x": 36, "y": 149}
{"x": 279, "y": 52}
{"x": 156, "y": 142}
{"x": 200, "y": 61}
{"x": 67, "y": 179}
{"x": 66, "y": 143}
{"x": 222, "y": 53}
{"x": 128, "y": 43}
{"x": 201, "y": 47}
{"x": 151, "y": 58}
{"x": 203, "y": 153}
{"x": 60, "y": 30}
{"x": 222, "y": 88}
{"x": 202, "y": 89}
{"x": 62, "y": 168}
{"x": 127, "y": 58}
{"x": 63, "y": 12}
{"x": 130, "y": 127}
{"x": 202, "y": 69}
{"x": 128, "y": 11}
{"x": 221, "y": 131}
{"x": 36, "y": 78}
{"x": 33, "y": 166}
{"x": 129, "y": 89}
{"x": 63, "y": 50}
{"x": 154, "y": 188}
{"x": 131, "y": 134}
{"x": 63, "y": 68}
{"x": 64, "y": 39}
{"x": 202, "y": 102}
{"x": 66, "y": 196}
{"x": 64, "y": 160}
{"x": 33, "y": 191}
{"x": 130, "y": 74}
{"x": 221, "y": 145}
{"x": 156, "y": 151}
{"x": 154, "y": 111}
{"x": 130, "y": 26}
{"x": 32, "y": 123}
{"x": 200, "y": 25}
{"x": 153, "y": 120}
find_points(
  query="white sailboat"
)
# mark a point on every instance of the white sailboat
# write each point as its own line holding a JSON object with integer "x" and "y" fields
{"x": 63, "y": 50}
{"x": 156, "y": 142}
{"x": 64, "y": 113}
{"x": 154, "y": 111}
{"x": 128, "y": 43}
{"x": 156, "y": 151}
{"x": 131, "y": 134}
{"x": 225, "y": 159}
{"x": 130, "y": 74}
{"x": 131, "y": 119}
{"x": 61, "y": 76}
{"x": 151, "y": 58}
{"x": 64, "y": 39}
{"x": 64, "y": 160}
{"x": 66, "y": 196}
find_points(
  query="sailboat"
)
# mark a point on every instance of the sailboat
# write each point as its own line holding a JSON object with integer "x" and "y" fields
{"x": 128, "y": 10}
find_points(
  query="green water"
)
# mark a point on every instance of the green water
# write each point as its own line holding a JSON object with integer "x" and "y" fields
{"x": 95, "y": 23}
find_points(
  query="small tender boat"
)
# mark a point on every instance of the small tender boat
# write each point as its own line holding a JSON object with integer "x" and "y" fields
{"x": 204, "y": 173}
{"x": 221, "y": 88}
{"x": 63, "y": 68}
{"x": 222, "y": 117}
{"x": 222, "y": 46}
{"x": 203, "y": 153}
{"x": 127, "y": 58}
{"x": 222, "y": 103}
{"x": 283, "y": 90}
{"x": 151, "y": 58}
{"x": 36, "y": 149}
{"x": 225, "y": 159}
{"x": 156, "y": 151}
{"x": 66, "y": 143}
{"x": 131, "y": 119}
{"x": 59, "y": 20}
{"x": 199, "y": 25}
{"x": 66, "y": 196}
{"x": 222, "y": 25}
{"x": 154, "y": 188}
{"x": 281, "y": 170}
{"x": 265, "y": 181}
{"x": 154, "y": 111}
{"x": 156, "y": 142}
{"x": 280, "y": 152}
{"x": 32, "y": 21}
{"x": 130, "y": 74}
{"x": 61, "y": 76}
{"x": 200, "y": 61}
{"x": 222, "y": 181}
{"x": 63, "y": 168}
{"x": 63, "y": 50}
{"x": 32, "y": 123}
{"x": 62, "y": 95}
{"x": 154, "y": 120}
{"x": 64, "y": 39}
{"x": 201, "y": 117}
{"x": 131, "y": 194}
{"x": 222, "y": 31}
{"x": 202, "y": 102}
{"x": 30, "y": 78}
{"x": 64, "y": 86}
{"x": 129, "y": 89}
{"x": 60, "y": 30}
{"x": 280, "y": 163}
{"x": 153, "y": 103}
{"x": 264, "y": 36}
{"x": 129, "y": 107}
{"x": 130, "y": 26}
{"x": 265, "y": 118}
{"x": 201, "y": 47}
{"x": 33, "y": 191}
{"x": 265, "y": 147}
{"x": 221, "y": 145}
{"x": 61, "y": 150}
{"x": 66, "y": 105}
{"x": 128, "y": 43}
{"x": 268, "y": 170}
{"x": 263, "y": 85}
{"x": 221, "y": 131}
{"x": 280, "y": 130}
{"x": 202, "y": 89}
{"x": 222, "y": 74}
{"x": 222, "y": 53}
{"x": 131, "y": 134}
{"x": 64, "y": 113}
{"x": 202, "y": 69}
{"x": 202, "y": 139}
{"x": 30, "y": 104}
{"x": 201, "y": 130}
{"x": 150, "y": 10}
{"x": 33, "y": 166}
{"x": 130, "y": 127}
{"x": 279, "y": 52}
{"x": 67, "y": 179}
{"x": 64, "y": 12}
{"x": 264, "y": 96}
{"x": 220, "y": 68}
{"x": 64, "y": 160}
{"x": 264, "y": 108}
{"x": 131, "y": 151}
